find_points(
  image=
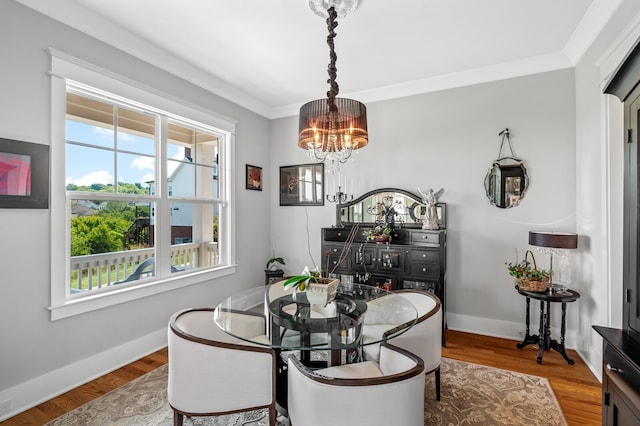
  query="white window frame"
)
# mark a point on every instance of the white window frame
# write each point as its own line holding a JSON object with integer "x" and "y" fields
{"x": 65, "y": 68}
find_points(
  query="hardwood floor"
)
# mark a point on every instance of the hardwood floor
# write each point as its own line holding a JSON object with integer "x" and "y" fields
{"x": 577, "y": 390}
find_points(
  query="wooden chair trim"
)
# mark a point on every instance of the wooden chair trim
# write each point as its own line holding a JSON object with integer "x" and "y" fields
{"x": 204, "y": 341}
{"x": 369, "y": 381}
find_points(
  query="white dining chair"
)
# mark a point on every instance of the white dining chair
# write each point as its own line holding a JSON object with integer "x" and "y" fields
{"x": 423, "y": 339}
{"x": 390, "y": 392}
{"x": 212, "y": 373}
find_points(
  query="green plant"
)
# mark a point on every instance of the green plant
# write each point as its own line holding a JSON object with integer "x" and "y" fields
{"x": 379, "y": 230}
{"x": 302, "y": 281}
{"x": 524, "y": 270}
{"x": 275, "y": 260}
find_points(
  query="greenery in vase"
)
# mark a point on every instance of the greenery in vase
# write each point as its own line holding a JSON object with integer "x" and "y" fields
{"x": 379, "y": 230}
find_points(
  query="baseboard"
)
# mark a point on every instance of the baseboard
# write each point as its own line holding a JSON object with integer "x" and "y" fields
{"x": 40, "y": 389}
{"x": 503, "y": 329}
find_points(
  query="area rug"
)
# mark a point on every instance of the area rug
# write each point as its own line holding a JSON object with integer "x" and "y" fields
{"x": 471, "y": 394}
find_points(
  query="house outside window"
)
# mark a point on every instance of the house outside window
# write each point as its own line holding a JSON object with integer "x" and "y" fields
{"x": 145, "y": 198}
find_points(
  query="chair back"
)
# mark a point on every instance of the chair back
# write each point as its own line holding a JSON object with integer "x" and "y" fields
{"x": 211, "y": 372}
{"x": 390, "y": 394}
{"x": 425, "y": 337}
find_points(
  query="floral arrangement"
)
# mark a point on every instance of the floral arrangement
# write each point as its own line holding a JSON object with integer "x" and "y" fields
{"x": 524, "y": 271}
{"x": 379, "y": 231}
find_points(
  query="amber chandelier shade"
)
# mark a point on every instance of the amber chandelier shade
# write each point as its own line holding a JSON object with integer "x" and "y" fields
{"x": 331, "y": 129}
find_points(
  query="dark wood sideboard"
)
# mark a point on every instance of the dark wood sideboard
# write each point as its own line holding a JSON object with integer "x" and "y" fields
{"x": 621, "y": 347}
{"x": 415, "y": 258}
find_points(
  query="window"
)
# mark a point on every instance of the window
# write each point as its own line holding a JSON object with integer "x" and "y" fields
{"x": 145, "y": 196}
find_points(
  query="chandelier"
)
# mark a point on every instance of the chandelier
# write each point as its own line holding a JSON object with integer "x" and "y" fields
{"x": 332, "y": 128}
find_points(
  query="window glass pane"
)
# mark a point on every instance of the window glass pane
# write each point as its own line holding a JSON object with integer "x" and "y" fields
{"x": 89, "y": 121}
{"x": 194, "y": 235}
{"x": 89, "y": 169}
{"x": 181, "y": 179}
{"x": 135, "y": 170}
{"x": 111, "y": 242}
{"x": 136, "y": 132}
{"x": 207, "y": 182}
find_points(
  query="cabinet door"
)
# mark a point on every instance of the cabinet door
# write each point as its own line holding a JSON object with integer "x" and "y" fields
{"x": 631, "y": 277}
{"x": 620, "y": 411}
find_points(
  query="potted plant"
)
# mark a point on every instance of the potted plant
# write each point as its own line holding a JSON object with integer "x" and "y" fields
{"x": 380, "y": 234}
{"x": 318, "y": 290}
{"x": 272, "y": 264}
{"x": 527, "y": 277}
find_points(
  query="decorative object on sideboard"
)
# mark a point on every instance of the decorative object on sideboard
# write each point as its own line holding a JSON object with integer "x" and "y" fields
{"x": 430, "y": 200}
{"x": 559, "y": 244}
{"x": 331, "y": 129}
{"x": 506, "y": 181}
{"x": 380, "y": 233}
{"x": 409, "y": 209}
{"x": 527, "y": 275}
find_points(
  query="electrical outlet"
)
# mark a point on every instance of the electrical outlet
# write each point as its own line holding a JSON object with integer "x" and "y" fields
{"x": 5, "y": 406}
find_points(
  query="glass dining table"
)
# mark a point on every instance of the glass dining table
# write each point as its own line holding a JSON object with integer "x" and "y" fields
{"x": 320, "y": 335}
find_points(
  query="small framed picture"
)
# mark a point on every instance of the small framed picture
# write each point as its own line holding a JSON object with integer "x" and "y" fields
{"x": 24, "y": 175}
{"x": 254, "y": 177}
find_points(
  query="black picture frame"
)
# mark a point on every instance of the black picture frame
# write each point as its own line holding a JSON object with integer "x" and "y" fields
{"x": 24, "y": 175}
{"x": 302, "y": 185}
{"x": 253, "y": 177}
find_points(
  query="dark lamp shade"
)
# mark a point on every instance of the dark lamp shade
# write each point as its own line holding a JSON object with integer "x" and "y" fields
{"x": 561, "y": 240}
{"x": 343, "y": 128}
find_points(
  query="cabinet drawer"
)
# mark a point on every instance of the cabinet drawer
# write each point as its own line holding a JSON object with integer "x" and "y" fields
{"x": 426, "y": 269}
{"x": 335, "y": 234}
{"x": 424, "y": 256}
{"x": 418, "y": 237}
{"x": 431, "y": 287}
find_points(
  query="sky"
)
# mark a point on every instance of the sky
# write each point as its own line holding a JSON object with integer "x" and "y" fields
{"x": 86, "y": 166}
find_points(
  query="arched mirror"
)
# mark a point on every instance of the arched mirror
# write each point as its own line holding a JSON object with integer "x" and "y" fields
{"x": 398, "y": 206}
{"x": 506, "y": 181}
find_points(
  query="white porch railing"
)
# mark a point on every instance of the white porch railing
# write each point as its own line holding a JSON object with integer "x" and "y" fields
{"x": 105, "y": 269}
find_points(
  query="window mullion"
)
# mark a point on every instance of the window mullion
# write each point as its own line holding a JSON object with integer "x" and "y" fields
{"x": 163, "y": 206}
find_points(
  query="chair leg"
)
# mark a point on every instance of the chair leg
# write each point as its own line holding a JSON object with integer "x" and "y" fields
{"x": 272, "y": 416}
{"x": 178, "y": 418}
{"x": 438, "y": 384}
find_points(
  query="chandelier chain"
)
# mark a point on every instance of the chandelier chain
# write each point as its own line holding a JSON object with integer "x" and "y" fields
{"x": 332, "y": 69}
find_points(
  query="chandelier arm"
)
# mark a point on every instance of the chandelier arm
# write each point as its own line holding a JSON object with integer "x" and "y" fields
{"x": 332, "y": 69}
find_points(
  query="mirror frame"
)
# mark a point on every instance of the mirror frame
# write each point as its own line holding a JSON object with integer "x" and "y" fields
{"x": 507, "y": 171}
{"x": 416, "y": 203}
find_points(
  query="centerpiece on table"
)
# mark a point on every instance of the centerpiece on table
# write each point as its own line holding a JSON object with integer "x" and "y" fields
{"x": 527, "y": 277}
{"x": 318, "y": 290}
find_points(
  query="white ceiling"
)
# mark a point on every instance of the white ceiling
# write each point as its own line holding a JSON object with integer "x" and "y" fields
{"x": 271, "y": 56}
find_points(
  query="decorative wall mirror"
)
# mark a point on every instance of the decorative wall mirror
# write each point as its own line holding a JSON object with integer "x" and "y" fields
{"x": 408, "y": 209}
{"x": 507, "y": 179}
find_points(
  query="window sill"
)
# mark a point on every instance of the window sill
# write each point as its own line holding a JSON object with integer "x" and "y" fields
{"x": 126, "y": 294}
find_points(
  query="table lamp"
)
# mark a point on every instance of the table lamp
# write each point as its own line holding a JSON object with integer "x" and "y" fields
{"x": 555, "y": 243}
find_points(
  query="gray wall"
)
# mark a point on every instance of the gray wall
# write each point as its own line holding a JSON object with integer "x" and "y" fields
{"x": 32, "y": 345}
{"x": 449, "y": 139}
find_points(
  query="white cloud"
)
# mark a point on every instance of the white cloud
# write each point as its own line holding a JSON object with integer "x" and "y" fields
{"x": 103, "y": 177}
{"x": 143, "y": 163}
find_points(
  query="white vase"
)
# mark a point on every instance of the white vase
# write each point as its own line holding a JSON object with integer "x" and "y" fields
{"x": 321, "y": 293}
